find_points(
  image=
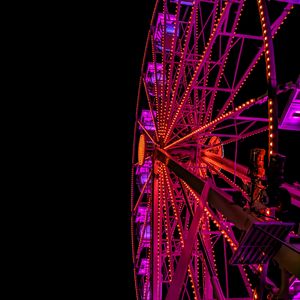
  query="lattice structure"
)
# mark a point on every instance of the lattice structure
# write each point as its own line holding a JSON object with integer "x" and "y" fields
{"x": 202, "y": 104}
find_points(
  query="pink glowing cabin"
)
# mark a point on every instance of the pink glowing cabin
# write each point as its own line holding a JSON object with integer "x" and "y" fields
{"x": 159, "y": 31}
{"x": 143, "y": 173}
{"x": 142, "y": 213}
{"x": 145, "y": 235}
{"x": 144, "y": 266}
{"x": 144, "y": 228}
{"x": 154, "y": 79}
{"x": 147, "y": 120}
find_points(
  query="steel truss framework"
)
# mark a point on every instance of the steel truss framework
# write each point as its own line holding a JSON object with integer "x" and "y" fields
{"x": 193, "y": 111}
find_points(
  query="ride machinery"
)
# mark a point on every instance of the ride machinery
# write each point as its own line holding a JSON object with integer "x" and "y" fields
{"x": 211, "y": 213}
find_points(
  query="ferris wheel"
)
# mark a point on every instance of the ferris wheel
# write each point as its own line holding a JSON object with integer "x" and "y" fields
{"x": 206, "y": 172}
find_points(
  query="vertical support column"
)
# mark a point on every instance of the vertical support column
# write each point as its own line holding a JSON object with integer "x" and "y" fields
{"x": 156, "y": 236}
{"x": 271, "y": 77}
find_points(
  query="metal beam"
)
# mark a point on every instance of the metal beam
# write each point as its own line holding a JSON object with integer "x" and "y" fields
{"x": 286, "y": 257}
{"x": 216, "y": 197}
{"x": 181, "y": 269}
{"x": 227, "y": 165}
{"x": 156, "y": 266}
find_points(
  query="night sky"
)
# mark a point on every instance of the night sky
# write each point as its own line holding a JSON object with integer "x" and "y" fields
{"x": 126, "y": 47}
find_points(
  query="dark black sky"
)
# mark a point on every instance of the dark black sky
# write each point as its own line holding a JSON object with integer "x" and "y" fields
{"x": 116, "y": 74}
{"x": 120, "y": 55}
{"x": 99, "y": 51}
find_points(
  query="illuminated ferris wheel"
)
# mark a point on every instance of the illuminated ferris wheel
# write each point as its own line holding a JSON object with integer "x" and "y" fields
{"x": 204, "y": 219}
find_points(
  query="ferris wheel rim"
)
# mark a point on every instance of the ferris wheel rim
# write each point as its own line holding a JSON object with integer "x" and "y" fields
{"x": 155, "y": 139}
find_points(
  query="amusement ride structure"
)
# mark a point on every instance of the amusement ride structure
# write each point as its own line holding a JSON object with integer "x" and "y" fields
{"x": 210, "y": 210}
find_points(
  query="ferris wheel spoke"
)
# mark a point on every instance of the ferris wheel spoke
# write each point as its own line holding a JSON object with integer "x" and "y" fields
{"x": 234, "y": 186}
{"x": 238, "y": 61}
{"x": 229, "y": 237}
{"x": 164, "y": 65}
{"x": 216, "y": 197}
{"x": 219, "y": 130}
{"x": 202, "y": 102}
{"x": 226, "y": 230}
{"x": 157, "y": 86}
{"x": 245, "y": 135}
{"x": 212, "y": 16}
{"x": 200, "y": 36}
{"x": 194, "y": 48}
{"x": 226, "y": 165}
{"x": 241, "y": 132}
{"x": 182, "y": 266}
{"x": 212, "y": 124}
{"x": 207, "y": 26}
{"x": 222, "y": 66}
{"x": 142, "y": 193}
{"x": 274, "y": 28}
{"x": 169, "y": 234}
{"x": 184, "y": 245}
{"x": 147, "y": 132}
{"x": 174, "y": 205}
{"x": 172, "y": 54}
{"x": 180, "y": 69}
{"x": 215, "y": 65}
{"x": 209, "y": 260}
{"x": 150, "y": 105}
{"x": 198, "y": 69}
{"x": 276, "y": 24}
